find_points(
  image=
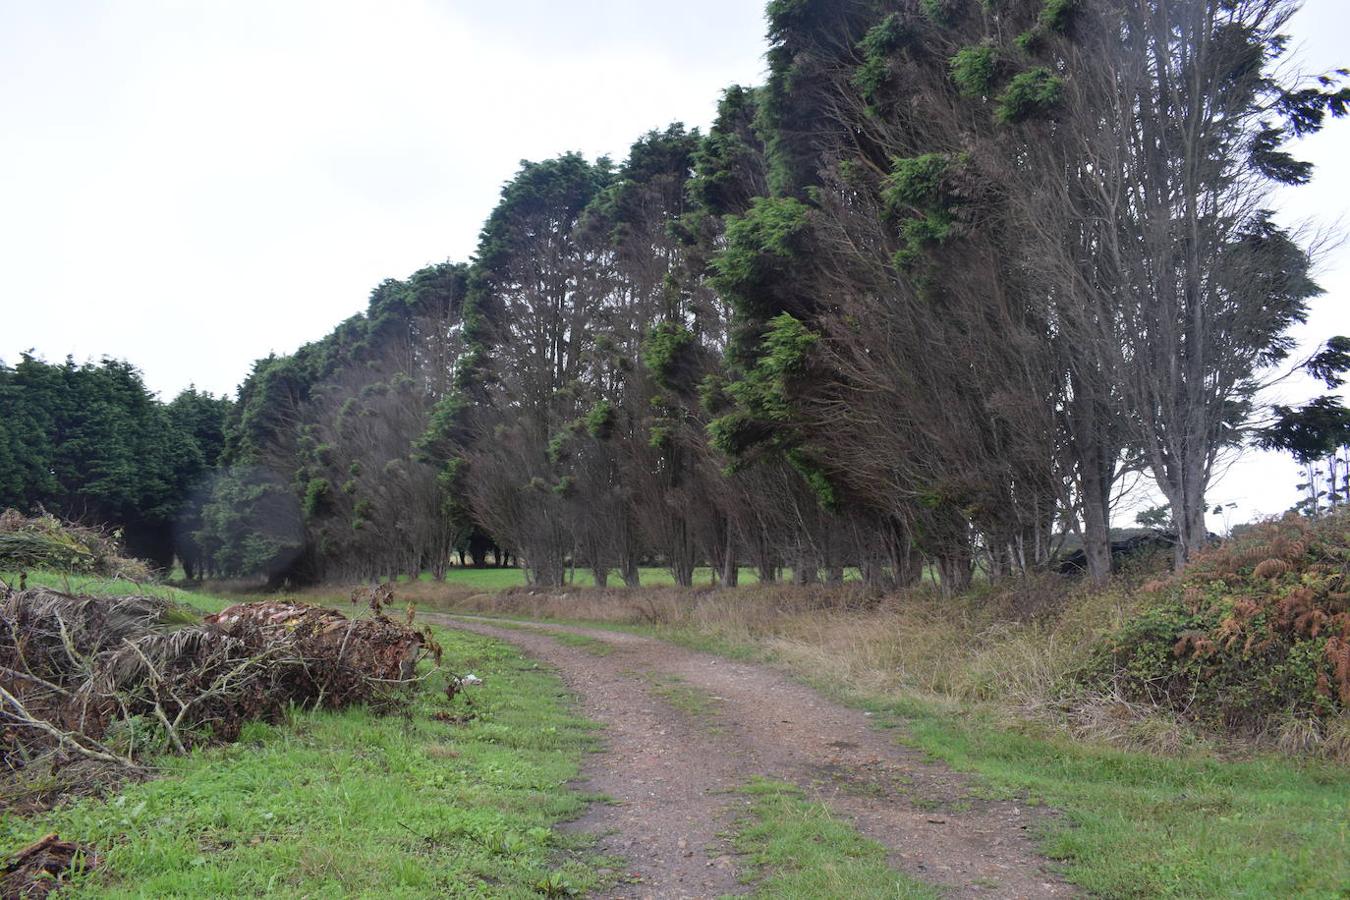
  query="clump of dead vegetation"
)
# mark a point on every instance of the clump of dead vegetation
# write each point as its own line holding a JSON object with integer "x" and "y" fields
{"x": 43, "y": 866}
{"x": 1253, "y": 638}
{"x": 30, "y": 543}
{"x": 91, "y": 687}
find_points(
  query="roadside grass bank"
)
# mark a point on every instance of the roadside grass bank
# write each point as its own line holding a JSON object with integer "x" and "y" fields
{"x": 1150, "y": 806}
{"x": 446, "y": 798}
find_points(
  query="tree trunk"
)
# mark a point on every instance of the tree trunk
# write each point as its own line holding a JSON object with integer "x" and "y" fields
{"x": 629, "y": 571}
{"x": 731, "y": 570}
{"x": 956, "y": 572}
{"x": 1096, "y": 525}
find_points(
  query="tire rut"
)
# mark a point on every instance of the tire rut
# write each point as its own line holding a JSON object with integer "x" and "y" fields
{"x": 673, "y": 775}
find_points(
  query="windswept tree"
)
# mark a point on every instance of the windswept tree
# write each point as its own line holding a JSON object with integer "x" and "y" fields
{"x": 1170, "y": 121}
{"x": 1317, "y": 433}
{"x": 320, "y": 474}
{"x": 1028, "y": 243}
{"x": 532, "y": 306}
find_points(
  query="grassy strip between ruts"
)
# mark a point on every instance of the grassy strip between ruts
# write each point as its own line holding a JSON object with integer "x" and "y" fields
{"x": 355, "y": 804}
{"x": 795, "y": 848}
{"x": 1133, "y": 824}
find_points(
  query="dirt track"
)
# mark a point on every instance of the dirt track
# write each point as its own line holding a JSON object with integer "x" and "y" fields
{"x": 672, "y": 772}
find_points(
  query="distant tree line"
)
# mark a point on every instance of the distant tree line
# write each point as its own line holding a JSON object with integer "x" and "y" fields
{"x": 922, "y": 298}
{"x": 90, "y": 443}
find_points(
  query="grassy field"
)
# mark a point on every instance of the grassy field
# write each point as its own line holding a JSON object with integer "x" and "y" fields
{"x": 352, "y": 803}
{"x": 498, "y": 579}
{"x": 493, "y": 579}
{"x": 356, "y": 804}
{"x": 1142, "y": 825}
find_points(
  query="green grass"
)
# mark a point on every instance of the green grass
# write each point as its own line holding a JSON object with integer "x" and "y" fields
{"x": 1134, "y": 824}
{"x": 493, "y": 579}
{"x": 581, "y": 642}
{"x": 797, "y": 849}
{"x": 356, "y": 804}
{"x": 683, "y": 696}
{"x": 1138, "y": 825}
{"x": 89, "y": 584}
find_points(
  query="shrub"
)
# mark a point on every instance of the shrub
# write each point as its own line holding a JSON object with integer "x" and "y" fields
{"x": 916, "y": 181}
{"x": 317, "y": 493}
{"x": 940, "y": 12}
{"x": 1254, "y": 631}
{"x": 667, "y": 353}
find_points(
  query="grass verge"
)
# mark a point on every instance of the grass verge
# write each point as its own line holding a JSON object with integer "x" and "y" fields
{"x": 1141, "y": 825}
{"x": 794, "y": 848}
{"x": 356, "y": 804}
{"x": 1134, "y": 824}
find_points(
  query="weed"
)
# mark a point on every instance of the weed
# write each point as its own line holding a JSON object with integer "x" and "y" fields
{"x": 796, "y": 848}
{"x": 688, "y": 699}
{"x": 582, "y": 642}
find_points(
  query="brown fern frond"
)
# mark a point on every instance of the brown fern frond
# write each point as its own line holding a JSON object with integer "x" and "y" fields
{"x": 1294, "y": 604}
{"x": 1310, "y": 623}
{"x": 1338, "y": 654}
{"x": 1324, "y": 685}
{"x": 1270, "y": 568}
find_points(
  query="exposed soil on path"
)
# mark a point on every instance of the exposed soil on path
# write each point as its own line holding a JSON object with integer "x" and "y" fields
{"x": 684, "y": 730}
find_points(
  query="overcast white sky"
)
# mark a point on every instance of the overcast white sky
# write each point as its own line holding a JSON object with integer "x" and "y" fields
{"x": 192, "y": 185}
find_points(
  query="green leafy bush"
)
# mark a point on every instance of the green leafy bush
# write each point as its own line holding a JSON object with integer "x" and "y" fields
{"x": 940, "y": 12}
{"x": 600, "y": 420}
{"x": 916, "y": 181}
{"x": 1056, "y": 15}
{"x": 317, "y": 493}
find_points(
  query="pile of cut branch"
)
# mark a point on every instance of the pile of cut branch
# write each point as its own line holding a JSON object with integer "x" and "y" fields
{"x": 28, "y": 543}
{"x": 97, "y": 684}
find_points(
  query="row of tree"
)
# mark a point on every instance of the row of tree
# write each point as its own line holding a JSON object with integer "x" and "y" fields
{"x": 91, "y": 443}
{"x": 922, "y": 298}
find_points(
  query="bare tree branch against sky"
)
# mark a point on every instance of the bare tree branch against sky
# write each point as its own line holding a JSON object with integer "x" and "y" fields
{"x": 191, "y": 186}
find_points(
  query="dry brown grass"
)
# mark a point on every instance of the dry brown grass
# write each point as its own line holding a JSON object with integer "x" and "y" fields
{"x": 1009, "y": 650}
{"x": 1011, "y": 645}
